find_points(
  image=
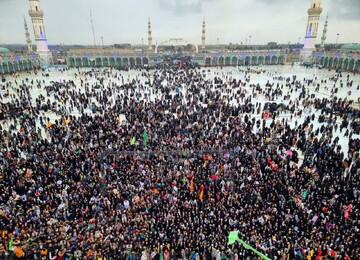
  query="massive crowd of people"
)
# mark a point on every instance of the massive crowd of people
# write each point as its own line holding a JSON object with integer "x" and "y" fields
{"x": 107, "y": 167}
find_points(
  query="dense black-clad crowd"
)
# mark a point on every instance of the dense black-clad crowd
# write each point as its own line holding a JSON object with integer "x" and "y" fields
{"x": 108, "y": 167}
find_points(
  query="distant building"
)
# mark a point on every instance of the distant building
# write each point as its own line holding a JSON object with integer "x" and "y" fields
{"x": 122, "y": 46}
{"x": 272, "y": 44}
{"x": 11, "y": 62}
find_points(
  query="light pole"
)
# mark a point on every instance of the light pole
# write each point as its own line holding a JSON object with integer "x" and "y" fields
{"x": 337, "y": 38}
{"x": 249, "y": 40}
{"x": 102, "y": 41}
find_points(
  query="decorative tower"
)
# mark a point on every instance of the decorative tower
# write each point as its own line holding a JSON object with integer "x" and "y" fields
{"x": 149, "y": 34}
{"x": 311, "y": 30}
{"x": 27, "y": 35}
{"x": 203, "y": 35}
{"x": 37, "y": 15}
{"x": 323, "y": 38}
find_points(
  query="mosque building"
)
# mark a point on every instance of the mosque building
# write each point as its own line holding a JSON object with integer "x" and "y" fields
{"x": 148, "y": 55}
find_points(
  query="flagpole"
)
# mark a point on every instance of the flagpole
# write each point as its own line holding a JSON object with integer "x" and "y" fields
{"x": 233, "y": 237}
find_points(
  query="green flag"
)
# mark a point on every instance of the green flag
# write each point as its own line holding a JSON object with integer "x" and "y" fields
{"x": 233, "y": 237}
{"x": 11, "y": 242}
{"x": 132, "y": 141}
{"x": 145, "y": 138}
{"x": 248, "y": 247}
{"x": 305, "y": 193}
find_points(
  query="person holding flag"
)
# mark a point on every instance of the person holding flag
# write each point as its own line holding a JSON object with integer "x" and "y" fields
{"x": 145, "y": 138}
{"x": 233, "y": 237}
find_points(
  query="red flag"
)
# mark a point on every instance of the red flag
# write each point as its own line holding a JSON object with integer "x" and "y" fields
{"x": 181, "y": 64}
{"x": 201, "y": 195}
{"x": 346, "y": 214}
{"x": 192, "y": 185}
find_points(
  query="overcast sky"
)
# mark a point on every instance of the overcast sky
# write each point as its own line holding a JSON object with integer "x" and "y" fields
{"x": 125, "y": 21}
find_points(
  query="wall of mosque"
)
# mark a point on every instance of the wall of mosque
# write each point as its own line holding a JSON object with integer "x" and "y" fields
{"x": 343, "y": 60}
{"x": 12, "y": 63}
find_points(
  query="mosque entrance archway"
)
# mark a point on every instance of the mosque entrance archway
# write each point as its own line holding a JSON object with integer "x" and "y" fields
{"x": 85, "y": 62}
{"x": 176, "y": 42}
{"x": 346, "y": 64}
{"x": 125, "y": 62}
{"x": 326, "y": 62}
{"x": 11, "y": 67}
{"x": 138, "y": 61}
{"x": 221, "y": 61}
{"x": 335, "y": 63}
{"x": 234, "y": 61}
{"x": 267, "y": 60}
{"x": 274, "y": 60}
{"x": 254, "y": 60}
{"x": 78, "y": 62}
{"x": 16, "y": 66}
{"x": 132, "y": 62}
{"x": 208, "y": 61}
{"x": 281, "y": 60}
{"x": 357, "y": 65}
{"x": 351, "y": 65}
{"x": 340, "y": 63}
{"x": 5, "y": 67}
{"x": 31, "y": 65}
{"x": 105, "y": 62}
{"x": 92, "y": 63}
{"x": 112, "y": 62}
{"x": 118, "y": 62}
{"x": 25, "y": 65}
{"x": 215, "y": 61}
{"x": 261, "y": 60}
{"x": 145, "y": 61}
{"x": 227, "y": 61}
{"x": 247, "y": 60}
{"x": 98, "y": 62}
{"x": 71, "y": 62}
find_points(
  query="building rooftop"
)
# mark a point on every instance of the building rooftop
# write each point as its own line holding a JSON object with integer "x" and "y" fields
{"x": 351, "y": 46}
{"x": 4, "y": 50}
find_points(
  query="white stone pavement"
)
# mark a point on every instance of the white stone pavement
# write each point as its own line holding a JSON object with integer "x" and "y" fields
{"x": 225, "y": 73}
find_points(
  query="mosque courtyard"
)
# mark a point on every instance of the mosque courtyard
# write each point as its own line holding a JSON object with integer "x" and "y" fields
{"x": 166, "y": 162}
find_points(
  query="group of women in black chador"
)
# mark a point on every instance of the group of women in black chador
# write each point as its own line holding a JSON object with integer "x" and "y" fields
{"x": 166, "y": 167}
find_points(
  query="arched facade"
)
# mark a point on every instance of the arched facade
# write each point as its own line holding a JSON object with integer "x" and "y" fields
{"x": 341, "y": 60}
{"x": 114, "y": 59}
{"x": 176, "y": 42}
{"x": 13, "y": 63}
{"x": 252, "y": 58}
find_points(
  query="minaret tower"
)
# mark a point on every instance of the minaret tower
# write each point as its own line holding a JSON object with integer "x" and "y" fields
{"x": 37, "y": 15}
{"x": 203, "y": 35}
{"x": 27, "y": 35}
{"x": 313, "y": 22}
{"x": 323, "y": 38}
{"x": 149, "y": 35}
{"x": 311, "y": 30}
